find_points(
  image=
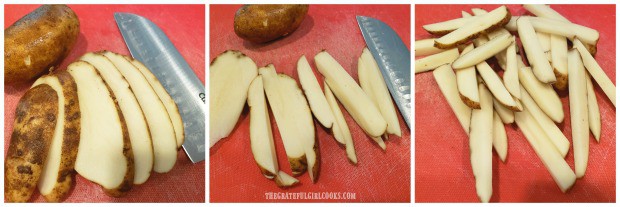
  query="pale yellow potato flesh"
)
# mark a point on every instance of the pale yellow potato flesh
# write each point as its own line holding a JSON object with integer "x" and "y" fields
{"x": 465, "y": 14}
{"x": 312, "y": 90}
{"x": 340, "y": 125}
{"x": 504, "y": 113}
{"x": 446, "y": 79}
{"x": 426, "y": 47}
{"x": 496, "y": 18}
{"x": 565, "y": 29}
{"x": 447, "y": 26}
{"x": 543, "y": 94}
{"x": 483, "y": 52}
{"x": 511, "y": 75}
{"x": 594, "y": 115}
{"x": 545, "y": 43}
{"x": 534, "y": 51}
{"x": 578, "y": 99}
{"x": 596, "y": 72}
{"x": 492, "y": 80}
{"x": 500, "y": 140}
{"x": 261, "y": 137}
{"x": 481, "y": 145}
{"x": 431, "y": 62}
{"x": 545, "y": 11}
{"x": 467, "y": 83}
{"x": 501, "y": 57}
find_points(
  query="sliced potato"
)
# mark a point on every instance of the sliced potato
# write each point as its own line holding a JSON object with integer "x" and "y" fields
{"x": 284, "y": 180}
{"x": 511, "y": 75}
{"x": 433, "y": 61}
{"x": 340, "y": 127}
{"x": 500, "y": 141}
{"x": 445, "y": 78}
{"x": 596, "y": 72}
{"x": 543, "y": 94}
{"x": 594, "y": 115}
{"x": 504, "y": 113}
{"x": 534, "y": 51}
{"x": 552, "y": 131}
{"x": 545, "y": 11}
{"x": 261, "y": 137}
{"x": 492, "y": 80}
{"x": 559, "y": 61}
{"x": 445, "y": 27}
{"x": 566, "y": 29}
{"x": 578, "y": 99}
{"x": 501, "y": 57}
{"x": 312, "y": 90}
{"x": 481, "y": 145}
{"x": 483, "y": 24}
{"x": 545, "y": 43}
{"x": 467, "y": 83}
{"x": 426, "y": 47}
{"x": 483, "y": 52}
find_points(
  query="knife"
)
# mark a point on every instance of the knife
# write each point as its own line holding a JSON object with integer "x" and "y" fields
{"x": 393, "y": 58}
{"x": 148, "y": 44}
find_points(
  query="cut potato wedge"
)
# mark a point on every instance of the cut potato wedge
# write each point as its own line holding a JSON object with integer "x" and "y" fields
{"x": 481, "y": 145}
{"x": 534, "y": 51}
{"x": 543, "y": 94}
{"x": 433, "y": 61}
{"x": 426, "y": 47}
{"x": 566, "y": 29}
{"x": 157, "y": 118}
{"x": 482, "y": 24}
{"x": 511, "y": 75}
{"x": 500, "y": 140}
{"x": 596, "y": 72}
{"x": 495, "y": 85}
{"x": 504, "y": 113}
{"x": 559, "y": 61}
{"x": 594, "y": 115}
{"x": 340, "y": 129}
{"x": 578, "y": 99}
{"x": 445, "y": 27}
{"x": 261, "y": 138}
{"x": 312, "y": 90}
{"x": 545, "y": 11}
{"x": 545, "y": 43}
{"x": 103, "y": 131}
{"x": 58, "y": 173}
{"x": 376, "y": 88}
{"x": 552, "y": 131}
{"x": 230, "y": 75}
{"x": 139, "y": 134}
{"x": 467, "y": 83}
{"x": 351, "y": 95}
{"x": 561, "y": 173}
{"x": 446, "y": 79}
{"x": 501, "y": 57}
{"x": 483, "y": 52}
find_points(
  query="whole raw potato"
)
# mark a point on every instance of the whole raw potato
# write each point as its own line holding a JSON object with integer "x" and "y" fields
{"x": 38, "y": 42}
{"x": 263, "y": 23}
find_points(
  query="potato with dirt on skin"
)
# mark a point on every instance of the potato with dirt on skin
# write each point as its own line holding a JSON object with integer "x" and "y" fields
{"x": 267, "y": 22}
{"x": 39, "y": 42}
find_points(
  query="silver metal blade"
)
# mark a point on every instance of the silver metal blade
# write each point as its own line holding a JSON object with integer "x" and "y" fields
{"x": 148, "y": 44}
{"x": 394, "y": 60}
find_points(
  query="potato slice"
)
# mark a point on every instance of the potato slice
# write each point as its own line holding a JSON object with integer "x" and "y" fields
{"x": 594, "y": 115}
{"x": 369, "y": 70}
{"x": 467, "y": 83}
{"x": 566, "y": 29}
{"x": 142, "y": 145}
{"x": 482, "y": 24}
{"x": 446, "y": 79}
{"x": 162, "y": 132}
{"x": 545, "y": 43}
{"x": 500, "y": 141}
{"x": 351, "y": 95}
{"x": 312, "y": 90}
{"x": 483, "y": 52}
{"x": 553, "y": 161}
{"x": 545, "y": 11}
{"x": 103, "y": 131}
{"x": 433, "y": 61}
{"x": 33, "y": 133}
{"x": 543, "y": 94}
{"x": 481, "y": 145}
{"x": 230, "y": 74}
{"x": 504, "y": 113}
{"x": 511, "y": 75}
{"x": 552, "y": 131}
{"x": 596, "y": 72}
{"x": 534, "y": 51}
{"x": 578, "y": 99}
{"x": 445, "y": 27}
{"x": 284, "y": 180}
{"x": 501, "y": 57}
{"x": 492, "y": 80}
{"x": 426, "y": 47}
{"x": 340, "y": 128}
{"x": 559, "y": 60}
{"x": 58, "y": 173}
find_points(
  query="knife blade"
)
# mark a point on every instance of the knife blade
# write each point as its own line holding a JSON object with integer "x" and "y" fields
{"x": 393, "y": 58}
{"x": 150, "y": 45}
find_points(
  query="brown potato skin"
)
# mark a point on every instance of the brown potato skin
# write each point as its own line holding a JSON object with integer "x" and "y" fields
{"x": 265, "y": 22}
{"x": 45, "y": 36}
{"x": 35, "y": 121}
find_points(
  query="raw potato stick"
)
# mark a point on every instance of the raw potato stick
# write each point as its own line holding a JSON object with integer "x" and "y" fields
{"x": 445, "y": 27}
{"x": 340, "y": 127}
{"x": 578, "y": 111}
{"x": 534, "y": 51}
{"x": 594, "y": 115}
{"x": 500, "y": 141}
{"x": 545, "y": 43}
{"x": 492, "y": 80}
{"x": 566, "y": 29}
{"x": 445, "y": 78}
{"x": 545, "y": 11}
{"x": 312, "y": 90}
{"x": 543, "y": 94}
{"x": 556, "y": 165}
{"x": 559, "y": 60}
{"x": 504, "y": 113}
{"x": 483, "y": 52}
{"x": 426, "y": 47}
{"x": 433, "y": 61}
{"x": 596, "y": 72}
{"x": 482, "y": 24}
{"x": 467, "y": 83}
{"x": 501, "y": 57}
{"x": 481, "y": 145}
{"x": 511, "y": 75}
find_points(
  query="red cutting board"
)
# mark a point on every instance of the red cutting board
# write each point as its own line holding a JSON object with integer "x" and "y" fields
{"x": 378, "y": 177}
{"x": 443, "y": 170}
{"x": 184, "y": 25}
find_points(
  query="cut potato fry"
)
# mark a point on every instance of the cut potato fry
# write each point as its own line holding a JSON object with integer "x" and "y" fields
{"x": 446, "y": 79}
{"x": 511, "y": 75}
{"x": 543, "y": 94}
{"x": 500, "y": 141}
{"x": 377, "y": 90}
{"x": 501, "y": 57}
{"x": 426, "y": 47}
{"x": 534, "y": 51}
{"x": 559, "y": 61}
{"x": 545, "y": 43}
{"x": 482, "y": 24}
{"x": 545, "y": 11}
{"x": 340, "y": 127}
{"x": 596, "y": 72}
{"x": 553, "y": 132}
{"x": 578, "y": 99}
{"x": 433, "y": 61}
{"x": 312, "y": 90}
{"x": 481, "y": 145}
{"x": 261, "y": 137}
{"x": 445, "y": 27}
{"x": 467, "y": 83}
{"x": 351, "y": 95}
{"x": 594, "y": 115}
{"x": 483, "y": 52}
{"x": 379, "y": 142}
{"x": 504, "y": 113}
{"x": 492, "y": 80}
{"x": 230, "y": 75}
{"x": 566, "y": 29}
{"x": 556, "y": 165}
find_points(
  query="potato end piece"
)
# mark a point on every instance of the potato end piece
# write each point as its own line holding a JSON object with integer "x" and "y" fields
{"x": 492, "y": 28}
{"x": 469, "y": 102}
{"x": 284, "y": 180}
{"x": 561, "y": 80}
{"x": 298, "y": 165}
